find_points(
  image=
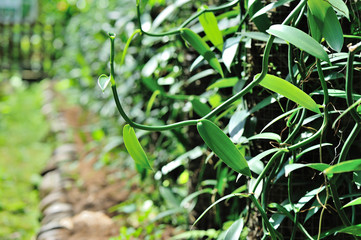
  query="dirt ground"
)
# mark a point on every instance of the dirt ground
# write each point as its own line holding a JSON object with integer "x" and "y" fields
{"x": 91, "y": 193}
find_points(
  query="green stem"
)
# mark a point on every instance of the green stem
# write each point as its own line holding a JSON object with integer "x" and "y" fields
{"x": 349, "y": 100}
{"x": 145, "y": 127}
{"x": 264, "y": 217}
{"x": 294, "y": 230}
{"x": 267, "y": 167}
{"x": 127, "y": 45}
{"x": 219, "y": 108}
{"x": 349, "y": 85}
{"x": 112, "y": 37}
{"x": 338, "y": 206}
{"x": 250, "y": 86}
{"x": 325, "y": 117}
{"x": 350, "y": 139}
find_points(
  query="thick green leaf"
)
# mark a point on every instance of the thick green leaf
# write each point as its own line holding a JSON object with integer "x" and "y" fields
{"x": 202, "y": 48}
{"x": 134, "y": 148}
{"x": 103, "y": 81}
{"x": 308, "y": 196}
{"x": 290, "y": 91}
{"x": 266, "y": 135}
{"x": 325, "y": 19}
{"x": 354, "y": 230}
{"x": 230, "y": 49}
{"x": 270, "y": 7}
{"x": 255, "y": 164}
{"x": 332, "y": 30}
{"x": 221, "y": 145}
{"x": 347, "y": 166}
{"x": 317, "y": 166}
{"x": 235, "y": 230}
{"x": 260, "y": 36}
{"x": 224, "y": 83}
{"x": 262, "y": 22}
{"x": 356, "y": 201}
{"x": 299, "y": 39}
{"x": 210, "y": 26}
{"x": 200, "y": 108}
{"x": 341, "y": 7}
{"x": 315, "y": 30}
{"x": 356, "y": 178}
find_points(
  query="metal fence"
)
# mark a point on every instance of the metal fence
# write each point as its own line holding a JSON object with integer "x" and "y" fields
{"x": 27, "y": 43}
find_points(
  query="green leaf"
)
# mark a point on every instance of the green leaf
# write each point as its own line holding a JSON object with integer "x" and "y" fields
{"x": 230, "y": 49}
{"x": 255, "y": 164}
{"x": 308, "y": 196}
{"x": 354, "y": 230}
{"x": 235, "y": 230}
{"x": 347, "y": 166}
{"x": 356, "y": 201}
{"x": 260, "y": 36}
{"x": 269, "y": 7}
{"x": 332, "y": 30}
{"x": 134, "y": 148}
{"x": 299, "y": 39}
{"x": 103, "y": 81}
{"x": 317, "y": 166}
{"x": 202, "y": 48}
{"x": 341, "y": 7}
{"x": 200, "y": 108}
{"x": 266, "y": 135}
{"x": 262, "y": 22}
{"x": 325, "y": 19}
{"x": 222, "y": 146}
{"x": 315, "y": 30}
{"x": 290, "y": 91}
{"x": 210, "y": 26}
{"x": 224, "y": 83}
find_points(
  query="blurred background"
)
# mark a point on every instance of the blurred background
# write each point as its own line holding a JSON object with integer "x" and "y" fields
{"x": 62, "y": 46}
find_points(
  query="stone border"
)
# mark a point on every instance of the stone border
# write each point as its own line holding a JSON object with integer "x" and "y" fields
{"x": 54, "y": 206}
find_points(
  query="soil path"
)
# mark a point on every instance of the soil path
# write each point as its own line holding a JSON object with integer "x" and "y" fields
{"x": 75, "y": 195}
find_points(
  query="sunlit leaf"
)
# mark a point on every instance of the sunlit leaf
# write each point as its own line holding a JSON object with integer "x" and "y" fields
{"x": 222, "y": 146}
{"x": 354, "y": 230}
{"x": 347, "y": 166}
{"x": 236, "y": 125}
{"x": 290, "y": 91}
{"x": 341, "y": 7}
{"x": 260, "y": 36}
{"x": 308, "y": 196}
{"x": 202, "y": 48}
{"x": 356, "y": 201}
{"x": 134, "y": 148}
{"x": 210, "y": 26}
{"x": 317, "y": 166}
{"x": 255, "y": 164}
{"x": 266, "y": 135}
{"x": 235, "y": 230}
{"x": 270, "y": 7}
{"x": 229, "y": 51}
{"x": 299, "y": 39}
{"x": 103, "y": 81}
{"x": 224, "y": 82}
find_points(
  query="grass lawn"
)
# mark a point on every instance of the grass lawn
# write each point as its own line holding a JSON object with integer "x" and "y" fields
{"x": 23, "y": 153}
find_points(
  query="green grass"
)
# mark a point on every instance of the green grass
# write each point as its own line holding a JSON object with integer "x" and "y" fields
{"x": 23, "y": 153}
